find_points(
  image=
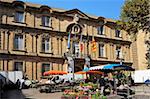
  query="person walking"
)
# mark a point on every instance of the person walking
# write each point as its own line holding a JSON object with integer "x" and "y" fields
{"x": 102, "y": 85}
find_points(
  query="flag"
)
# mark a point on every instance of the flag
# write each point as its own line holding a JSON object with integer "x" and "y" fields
{"x": 93, "y": 45}
{"x": 68, "y": 45}
{"x": 81, "y": 44}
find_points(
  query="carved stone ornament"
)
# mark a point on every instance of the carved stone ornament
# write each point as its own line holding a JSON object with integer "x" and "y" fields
{"x": 45, "y": 36}
{"x": 76, "y": 18}
{"x": 4, "y": 31}
{"x": 18, "y": 31}
{"x": 75, "y": 29}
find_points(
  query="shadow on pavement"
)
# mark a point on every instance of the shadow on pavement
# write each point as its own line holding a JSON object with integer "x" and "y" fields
{"x": 13, "y": 94}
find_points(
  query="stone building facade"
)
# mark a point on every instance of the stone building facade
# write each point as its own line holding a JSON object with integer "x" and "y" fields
{"x": 140, "y": 47}
{"x": 34, "y": 39}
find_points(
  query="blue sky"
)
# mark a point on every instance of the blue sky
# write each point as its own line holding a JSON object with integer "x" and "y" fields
{"x": 105, "y": 8}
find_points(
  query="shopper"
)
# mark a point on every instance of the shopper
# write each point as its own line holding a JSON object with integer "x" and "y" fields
{"x": 102, "y": 85}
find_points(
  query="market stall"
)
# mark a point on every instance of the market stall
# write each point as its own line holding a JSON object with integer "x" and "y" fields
{"x": 120, "y": 81}
{"x": 54, "y": 72}
{"x": 52, "y": 82}
{"x": 91, "y": 90}
{"x": 85, "y": 90}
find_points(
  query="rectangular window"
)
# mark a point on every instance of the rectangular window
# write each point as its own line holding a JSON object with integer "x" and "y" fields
{"x": 45, "y": 67}
{"x": 18, "y": 42}
{"x": 118, "y": 33}
{"x": 45, "y": 45}
{"x": 118, "y": 52}
{"x": 19, "y": 17}
{"x": 100, "y": 30}
{"x": 101, "y": 50}
{"x": 46, "y": 21}
{"x": 18, "y": 66}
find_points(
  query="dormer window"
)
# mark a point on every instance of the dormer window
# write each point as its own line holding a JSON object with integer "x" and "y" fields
{"x": 100, "y": 30}
{"x": 19, "y": 15}
{"x": 117, "y": 33}
{"x": 45, "y": 20}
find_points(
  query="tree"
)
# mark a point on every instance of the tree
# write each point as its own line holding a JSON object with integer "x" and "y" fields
{"x": 135, "y": 16}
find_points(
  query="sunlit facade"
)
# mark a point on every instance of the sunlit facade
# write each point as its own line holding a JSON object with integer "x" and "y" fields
{"x": 37, "y": 38}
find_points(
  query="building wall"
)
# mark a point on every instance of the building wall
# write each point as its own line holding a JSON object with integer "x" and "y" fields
{"x": 139, "y": 51}
{"x": 33, "y": 31}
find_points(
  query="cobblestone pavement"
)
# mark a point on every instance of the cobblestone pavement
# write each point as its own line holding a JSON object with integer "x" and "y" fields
{"x": 35, "y": 94}
{"x": 141, "y": 89}
{"x": 29, "y": 94}
{"x": 142, "y": 92}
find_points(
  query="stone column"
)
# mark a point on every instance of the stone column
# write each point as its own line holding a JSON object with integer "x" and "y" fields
{"x": 61, "y": 46}
{"x": 34, "y": 44}
{"x": 36, "y": 37}
{"x": 58, "y": 46}
{"x": 2, "y": 40}
{"x": 6, "y": 41}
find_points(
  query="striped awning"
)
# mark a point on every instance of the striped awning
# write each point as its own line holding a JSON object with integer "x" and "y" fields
{"x": 111, "y": 67}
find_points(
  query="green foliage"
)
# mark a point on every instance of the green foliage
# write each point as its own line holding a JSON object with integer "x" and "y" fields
{"x": 135, "y": 15}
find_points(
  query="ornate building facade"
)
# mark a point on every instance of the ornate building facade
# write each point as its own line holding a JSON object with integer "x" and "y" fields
{"x": 37, "y": 38}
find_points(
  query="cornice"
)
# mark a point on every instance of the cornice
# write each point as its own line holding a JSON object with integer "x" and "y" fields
{"x": 59, "y": 33}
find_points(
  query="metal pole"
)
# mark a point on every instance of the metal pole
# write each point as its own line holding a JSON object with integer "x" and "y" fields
{"x": 73, "y": 69}
{"x": 121, "y": 61}
{"x": 128, "y": 92}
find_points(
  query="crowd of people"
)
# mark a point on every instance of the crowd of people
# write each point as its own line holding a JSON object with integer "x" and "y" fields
{"x": 110, "y": 84}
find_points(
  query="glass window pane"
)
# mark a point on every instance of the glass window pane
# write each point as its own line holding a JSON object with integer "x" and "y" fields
{"x": 45, "y": 67}
{"x": 45, "y": 20}
{"x": 18, "y": 66}
{"x": 18, "y": 42}
{"x": 100, "y": 30}
{"x": 20, "y": 16}
{"x": 45, "y": 45}
{"x": 118, "y": 52}
{"x": 117, "y": 33}
{"x": 101, "y": 50}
